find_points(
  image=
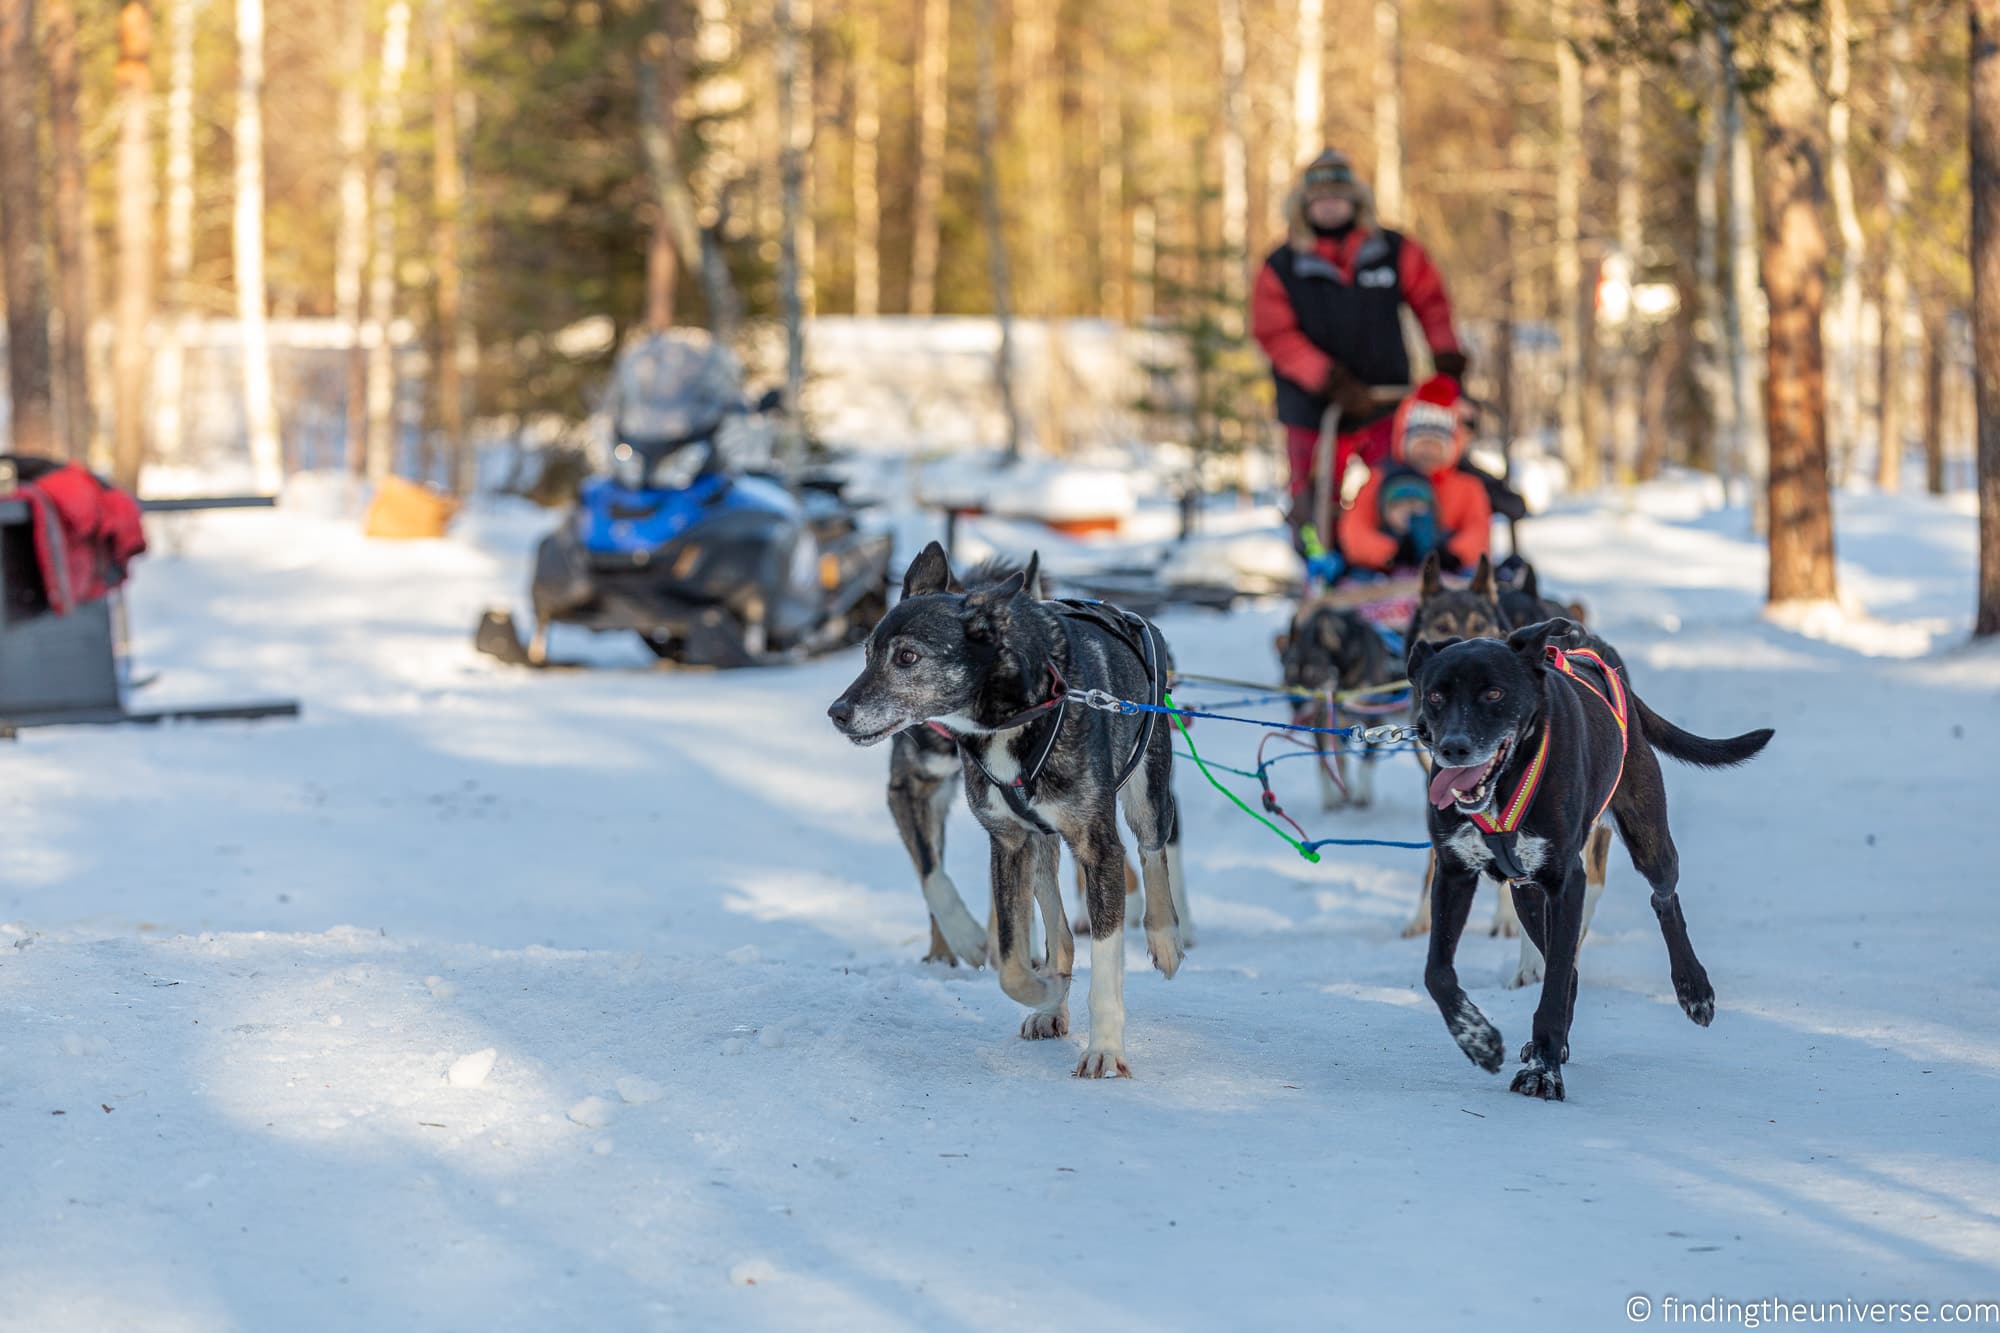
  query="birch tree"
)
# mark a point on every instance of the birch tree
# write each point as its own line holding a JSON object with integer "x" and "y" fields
{"x": 388, "y": 118}
{"x": 350, "y": 252}
{"x": 171, "y": 365}
{"x": 1895, "y": 280}
{"x": 933, "y": 57}
{"x": 1389, "y": 110}
{"x": 866, "y": 172}
{"x": 260, "y": 412}
{"x": 987, "y": 126}
{"x": 133, "y": 358}
{"x": 1846, "y": 323}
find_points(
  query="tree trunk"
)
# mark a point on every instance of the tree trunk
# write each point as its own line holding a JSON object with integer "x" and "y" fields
{"x": 1709, "y": 325}
{"x": 1235, "y": 170}
{"x": 1895, "y": 283}
{"x": 1631, "y": 240}
{"x": 133, "y": 359}
{"x": 933, "y": 62}
{"x": 1846, "y": 342}
{"x": 1795, "y": 252}
{"x": 382, "y": 395}
{"x": 448, "y": 195}
{"x": 867, "y": 184}
{"x": 659, "y": 101}
{"x": 1389, "y": 111}
{"x": 30, "y": 386}
{"x": 1036, "y": 89}
{"x": 658, "y": 137}
{"x": 794, "y": 142}
{"x": 260, "y": 412}
{"x": 803, "y": 224}
{"x": 71, "y": 207}
{"x": 1579, "y": 454}
{"x": 1740, "y": 327}
{"x": 350, "y": 249}
{"x": 170, "y": 367}
{"x": 1113, "y": 253}
{"x": 1985, "y": 138}
{"x": 1308, "y": 82}
{"x": 988, "y": 130}
{"x": 1513, "y": 223}
{"x": 1935, "y": 334}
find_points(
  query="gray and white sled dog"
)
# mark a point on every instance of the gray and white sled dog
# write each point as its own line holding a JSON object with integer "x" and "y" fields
{"x": 997, "y": 668}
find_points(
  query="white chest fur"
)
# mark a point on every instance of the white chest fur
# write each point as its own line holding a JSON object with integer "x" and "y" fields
{"x": 1471, "y": 851}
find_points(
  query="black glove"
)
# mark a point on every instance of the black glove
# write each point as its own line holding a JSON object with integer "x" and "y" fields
{"x": 1453, "y": 364}
{"x": 1349, "y": 394}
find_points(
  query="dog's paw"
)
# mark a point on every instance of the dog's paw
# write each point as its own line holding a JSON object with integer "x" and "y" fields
{"x": 941, "y": 953}
{"x": 1538, "y": 1080}
{"x": 1080, "y": 925}
{"x": 1045, "y": 1023}
{"x": 1106, "y": 1063}
{"x": 1165, "y": 946}
{"x": 1528, "y": 1055}
{"x": 1478, "y": 1038}
{"x": 1526, "y": 974}
{"x": 1505, "y": 928}
{"x": 1697, "y": 997}
{"x": 1420, "y": 926}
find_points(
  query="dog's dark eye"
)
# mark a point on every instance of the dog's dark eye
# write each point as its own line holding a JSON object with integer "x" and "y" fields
{"x": 1434, "y": 698}
{"x": 907, "y": 657}
{"x": 1494, "y": 696}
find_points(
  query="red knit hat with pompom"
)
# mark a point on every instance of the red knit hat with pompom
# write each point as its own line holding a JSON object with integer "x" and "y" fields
{"x": 1434, "y": 409}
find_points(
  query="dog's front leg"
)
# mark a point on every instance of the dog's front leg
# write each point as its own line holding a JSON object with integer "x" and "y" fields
{"x": 1332, "y": 793}
{"x": 1014, "y": 855}
{"x": 1452, "y": 885}
{"x": 1541, "y": 1075}
{"x": 1103, "y": 858}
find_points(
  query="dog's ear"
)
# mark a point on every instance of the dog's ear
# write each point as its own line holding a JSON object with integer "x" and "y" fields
{"x": 1578, "y": 614}
{"x": 1031, "y": 578}
{"x": 1283, "y": 643}
{"x": 929, "y": 572}
{"x": 1532, "y": 641}
{"x": 1530, "y": 584}
{"x": 1422, "y": 651}
{"x": 1482, "y": 579}
{"x": 1433, "y": 582}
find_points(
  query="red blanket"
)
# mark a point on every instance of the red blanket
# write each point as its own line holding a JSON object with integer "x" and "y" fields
{"x": 86, "y": 533}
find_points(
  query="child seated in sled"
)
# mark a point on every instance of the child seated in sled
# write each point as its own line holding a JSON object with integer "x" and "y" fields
{"x": 1421, "y": 501}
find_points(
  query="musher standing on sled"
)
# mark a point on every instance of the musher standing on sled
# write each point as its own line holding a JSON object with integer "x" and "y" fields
{"x": 1325, "y": 311}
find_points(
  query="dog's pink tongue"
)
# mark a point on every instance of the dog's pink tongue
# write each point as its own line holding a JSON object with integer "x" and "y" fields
{"x": 1445, "y": 779}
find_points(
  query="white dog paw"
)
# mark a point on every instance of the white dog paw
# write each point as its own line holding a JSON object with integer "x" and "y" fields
{"x": 1045, "y": 1023}
{"x": 1105, "y": 1062}
{"x": 1527, "y": 974}
{"x": 1165, "y": 946}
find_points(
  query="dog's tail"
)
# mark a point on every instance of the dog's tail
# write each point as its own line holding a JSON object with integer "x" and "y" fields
{"x": 1699, "y": 750}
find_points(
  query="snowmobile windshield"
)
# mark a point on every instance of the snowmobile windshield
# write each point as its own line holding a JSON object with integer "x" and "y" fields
{"x": 672, "y": 387}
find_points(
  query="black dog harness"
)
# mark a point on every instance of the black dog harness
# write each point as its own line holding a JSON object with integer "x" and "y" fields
{"x": 1128, "y": 629}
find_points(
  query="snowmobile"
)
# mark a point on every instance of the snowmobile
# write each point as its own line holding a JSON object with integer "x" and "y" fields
{"x": 711, "y": 563}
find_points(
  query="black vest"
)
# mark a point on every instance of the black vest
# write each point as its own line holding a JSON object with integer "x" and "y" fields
{"x": 1356, "y": 323}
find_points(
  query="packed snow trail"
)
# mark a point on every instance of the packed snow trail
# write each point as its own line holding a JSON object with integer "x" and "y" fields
{"x": 485, "y": 1000}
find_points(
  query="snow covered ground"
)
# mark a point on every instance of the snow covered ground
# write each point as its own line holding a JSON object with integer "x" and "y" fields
{"x": 485, "y": 1000}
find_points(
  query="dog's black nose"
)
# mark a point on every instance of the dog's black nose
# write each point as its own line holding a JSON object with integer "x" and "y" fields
{"x": 1453, "y": 751}
{"x": 841, "y": 711}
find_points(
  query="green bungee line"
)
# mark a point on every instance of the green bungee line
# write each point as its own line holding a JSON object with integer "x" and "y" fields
{"x": 1235, "y": 800}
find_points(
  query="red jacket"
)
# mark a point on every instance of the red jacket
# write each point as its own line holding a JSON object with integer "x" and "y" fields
{"x": 86, "y": 533}
{"x": 1298, "y": 358}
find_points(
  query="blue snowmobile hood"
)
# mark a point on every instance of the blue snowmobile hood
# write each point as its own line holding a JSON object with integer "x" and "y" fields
{"x": 612, "y": 519}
